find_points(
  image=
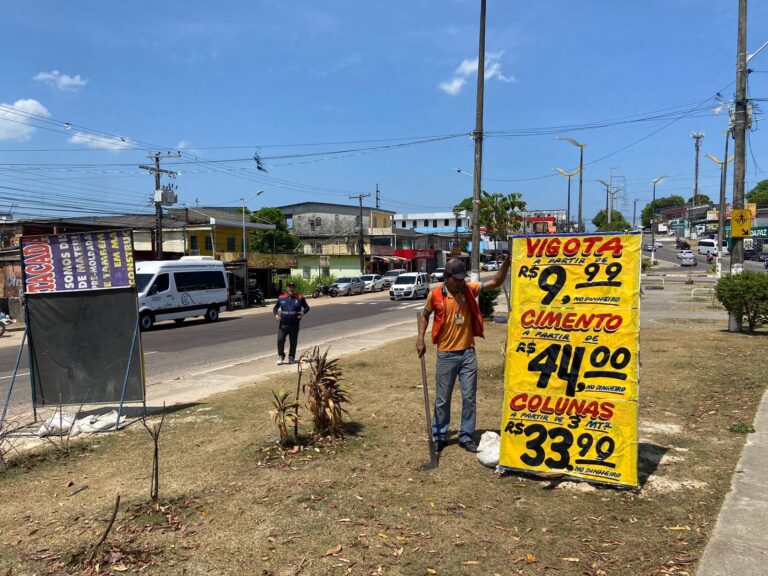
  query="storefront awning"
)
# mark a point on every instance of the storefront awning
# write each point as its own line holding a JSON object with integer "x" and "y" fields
{"x": 390, "y": 259}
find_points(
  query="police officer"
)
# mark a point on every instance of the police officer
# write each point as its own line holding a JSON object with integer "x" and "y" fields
{"x": 288, "y": 311}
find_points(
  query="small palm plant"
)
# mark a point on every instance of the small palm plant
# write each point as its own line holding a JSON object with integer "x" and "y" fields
{"x": 284, "y": 415}
{"x": 325, "y": 395}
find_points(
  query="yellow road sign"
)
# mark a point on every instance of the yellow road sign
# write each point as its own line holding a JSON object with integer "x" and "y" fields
{"x": 741, "y": 223}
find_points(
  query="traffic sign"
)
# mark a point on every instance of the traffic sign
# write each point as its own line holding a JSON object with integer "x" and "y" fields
{"x": 741, "y": 223}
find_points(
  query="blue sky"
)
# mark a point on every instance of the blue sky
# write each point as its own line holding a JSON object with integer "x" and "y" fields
{"x": 391, "y": 84}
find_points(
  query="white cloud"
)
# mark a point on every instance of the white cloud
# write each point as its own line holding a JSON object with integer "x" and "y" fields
{"x": 453, "y": 86}
{"x": 101, "y": 142}
{"x": 63, "y": 82}
{"x": 15, "y": 122}
{"x": 468, "y": 68}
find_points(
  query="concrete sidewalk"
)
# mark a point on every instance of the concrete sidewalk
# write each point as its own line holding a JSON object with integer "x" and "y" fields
{"x": 739, "y": 542}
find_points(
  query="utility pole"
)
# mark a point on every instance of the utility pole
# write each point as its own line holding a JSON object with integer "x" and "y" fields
{"x": 634, "y": 213}
{"x": 697, "y": 136}
{"x": 478, "y": 137}
{"x": 739, "y": 141}
{"x": 378, "y": 197}
{"x": 158, "y": 198}
{"x": 360, "y": 245}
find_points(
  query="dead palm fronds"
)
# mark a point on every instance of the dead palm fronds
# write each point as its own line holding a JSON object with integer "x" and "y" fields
{"x": 325, "y": 395}
{"x": 284, "y": 415}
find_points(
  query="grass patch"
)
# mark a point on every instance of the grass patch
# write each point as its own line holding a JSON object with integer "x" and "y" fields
{"x": 233, "y": 502}
{"x": 741, "y": 428}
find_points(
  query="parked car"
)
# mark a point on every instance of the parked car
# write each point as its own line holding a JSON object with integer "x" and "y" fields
{"x": 348, "y": 285}
{"x": 390, "y": 275}
{"x": 492, "y": 266}
{"x": 659, "y": 244}
{"x": 410, "y": 285}
{"x": 648, "y": 247}
{"x": 688, "y": 260}
{"x": 373, "y": 282}
{"x": 684, "y": 254}
{"x": 437, "y": 275}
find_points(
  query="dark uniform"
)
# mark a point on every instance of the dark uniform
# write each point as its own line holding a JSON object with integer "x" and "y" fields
{"x": 289, "y": 309}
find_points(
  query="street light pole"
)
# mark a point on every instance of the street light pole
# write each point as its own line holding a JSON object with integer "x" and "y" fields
{"x": 568, "y": 175}
{"x": 245, "y": 250}
{"x": 721, "y": 206}
{"x": 581, "y": 173}
{"x": 653, "y": 219}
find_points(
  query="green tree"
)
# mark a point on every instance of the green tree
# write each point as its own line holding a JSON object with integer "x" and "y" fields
{"x": 744, "y": 295}
{"x": 701, "y": 199}
{"x": 500, "y": 213}
{"x": 759, "y": 194}
{"x": 661, "y": 203}
{"x": 268, "y": 241}
{"x": 465, "y": 204}
{"x": 618, "y": 222}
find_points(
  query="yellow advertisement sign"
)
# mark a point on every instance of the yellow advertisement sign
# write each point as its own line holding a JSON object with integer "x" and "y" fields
{"x": 571, "y": 381}
{"x": 741, "y": 223}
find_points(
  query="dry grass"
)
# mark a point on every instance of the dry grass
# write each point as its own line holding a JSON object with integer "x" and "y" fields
{"x": 361, "y": 506}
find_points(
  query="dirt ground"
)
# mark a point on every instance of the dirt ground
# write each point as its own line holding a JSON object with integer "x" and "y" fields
{"x": 231, "y": 503}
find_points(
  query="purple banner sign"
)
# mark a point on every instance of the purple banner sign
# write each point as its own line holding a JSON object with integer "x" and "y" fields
{"x": 78, "y": 261}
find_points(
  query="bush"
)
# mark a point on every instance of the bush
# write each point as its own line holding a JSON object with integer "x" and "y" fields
{"x": 487, "y": 300}
{"x": 744, "y": 294}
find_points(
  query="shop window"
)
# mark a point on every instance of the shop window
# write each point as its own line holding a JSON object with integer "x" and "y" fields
{"x": 434, "y": 223}
{"x": 306, "y": 272}
{"x": 193, "y": 245}
{"x": 208, "y": 244}
{"x": 230, "y": 243}
{"x": 403, "y": 224}
{"x": 445, "y": 222}
{"x": 426, "y": 223}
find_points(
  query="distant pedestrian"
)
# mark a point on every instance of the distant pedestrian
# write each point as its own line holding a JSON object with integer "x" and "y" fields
{"x": 457, "y": 322}
{"x": 288, "y": 311}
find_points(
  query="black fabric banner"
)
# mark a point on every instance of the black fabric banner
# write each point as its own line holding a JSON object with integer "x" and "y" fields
{"x": 80, "y": 345}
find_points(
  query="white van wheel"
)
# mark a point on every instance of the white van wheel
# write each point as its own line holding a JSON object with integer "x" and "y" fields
{"x": 146, "y": 321}
{"x": 212, "y": 314}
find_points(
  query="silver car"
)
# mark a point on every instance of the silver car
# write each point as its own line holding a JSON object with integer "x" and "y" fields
{"x": 373, "y": 282}
{"x": 349, "y": 285}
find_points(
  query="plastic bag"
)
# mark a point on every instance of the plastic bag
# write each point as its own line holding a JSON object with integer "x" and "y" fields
{"x": 488, "y": 449}
{"x": 99, "y": 422}
{"x": 57, "y": 425}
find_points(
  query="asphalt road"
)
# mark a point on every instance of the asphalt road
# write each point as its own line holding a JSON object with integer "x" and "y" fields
{"x": 172, "y": 351}
{"x": 668, "y": 255}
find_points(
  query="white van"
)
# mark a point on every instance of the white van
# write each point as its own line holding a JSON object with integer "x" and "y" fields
{"x": 178, "y": 289}
{"x": 410, "y": 285}
{"x": 709, "y": 246}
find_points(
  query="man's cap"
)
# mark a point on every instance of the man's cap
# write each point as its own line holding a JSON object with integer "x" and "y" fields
{"x": 290, "y": 285}
{"x": 456, "y": 269}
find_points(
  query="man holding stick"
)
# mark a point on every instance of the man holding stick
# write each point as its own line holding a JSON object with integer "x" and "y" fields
{"x": 457, "y": 322}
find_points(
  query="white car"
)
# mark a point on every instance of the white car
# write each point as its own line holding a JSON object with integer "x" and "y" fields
{"x": 410, "y": 285}
{"x": 492, "y": 266}
{"x": 684, "y": 254}
{"x": 437, "y": 275}
{"x": 688, "y": 260}
{"x": 391, "y": 275}
{"x": 373, "y": 282}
